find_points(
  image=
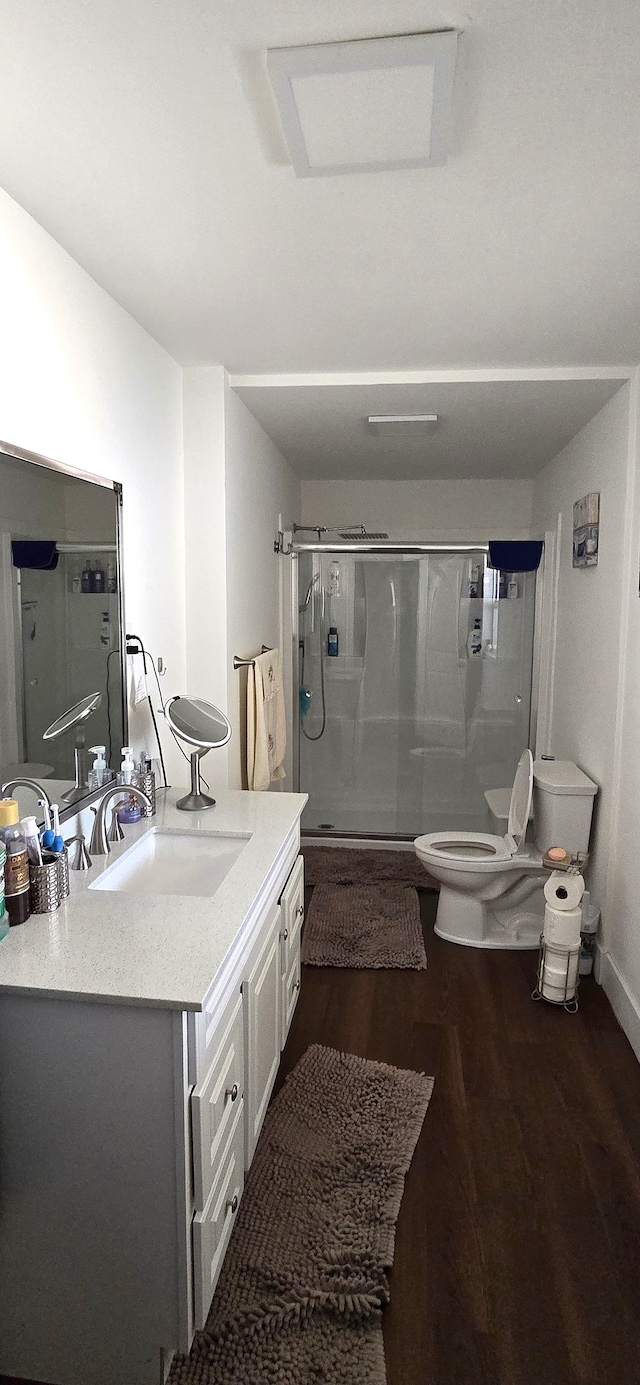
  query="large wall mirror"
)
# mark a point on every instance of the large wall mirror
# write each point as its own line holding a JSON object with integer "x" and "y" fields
{"x": 61, "y": 624}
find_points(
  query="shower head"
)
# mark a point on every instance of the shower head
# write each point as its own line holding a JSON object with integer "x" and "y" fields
{"x": 309, "y": 591}
{"x": 364, "y": 535}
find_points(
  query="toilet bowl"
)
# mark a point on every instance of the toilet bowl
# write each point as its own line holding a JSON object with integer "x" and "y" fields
{"x": 491, "y": 887}
{"x": 485, "y": 879}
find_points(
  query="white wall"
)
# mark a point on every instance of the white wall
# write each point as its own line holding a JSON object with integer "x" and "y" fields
{"x": 205, "y": 557}
{"x": 589, "y": 612}
{"x": 621, "y": 964}
{"x": 236, "y": 486}
{"x": 260, "y": 487}
{"x": 475, "y": 510}
{"x": 84, "y": 384}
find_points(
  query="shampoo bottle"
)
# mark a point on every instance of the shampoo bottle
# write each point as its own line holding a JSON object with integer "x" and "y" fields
{"x": 332, "y": 642}
{"x": 16, "y": 871}
{"x": 4, "y": 918}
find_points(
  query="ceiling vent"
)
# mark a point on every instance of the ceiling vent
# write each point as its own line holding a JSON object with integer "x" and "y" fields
{"x": 368, "y": 105}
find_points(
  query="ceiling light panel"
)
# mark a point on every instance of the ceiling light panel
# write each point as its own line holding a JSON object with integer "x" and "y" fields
{"x": 401, "y": 418}
{"x": 366, "y": 106}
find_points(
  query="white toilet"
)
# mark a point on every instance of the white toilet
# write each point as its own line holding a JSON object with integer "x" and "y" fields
{"x": 491, "y": 888}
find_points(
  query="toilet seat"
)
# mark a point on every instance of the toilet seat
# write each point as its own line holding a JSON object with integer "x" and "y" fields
{"x": 483, "y": 852}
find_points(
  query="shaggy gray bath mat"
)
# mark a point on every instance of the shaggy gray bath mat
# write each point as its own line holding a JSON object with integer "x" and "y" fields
{"x": 304, "y": 1280}
{"x": 364, "y": 926}
{"x": 346, "y": 865}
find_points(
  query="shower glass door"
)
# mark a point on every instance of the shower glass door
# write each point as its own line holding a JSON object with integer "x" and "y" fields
{"x": 403, "y": 730}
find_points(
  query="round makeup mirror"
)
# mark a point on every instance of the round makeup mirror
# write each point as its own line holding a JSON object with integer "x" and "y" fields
{"x": 201, "y": 724}
{"x": 79, "y": 712}
{"x": 74, "y": 716}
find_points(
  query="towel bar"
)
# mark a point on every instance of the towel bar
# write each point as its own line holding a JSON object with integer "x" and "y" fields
{"x": 248, "y": 663}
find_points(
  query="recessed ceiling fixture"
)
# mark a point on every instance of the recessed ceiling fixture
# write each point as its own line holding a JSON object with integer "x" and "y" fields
{"x": 368, "y": 105}
{"x": 382, "y": 419}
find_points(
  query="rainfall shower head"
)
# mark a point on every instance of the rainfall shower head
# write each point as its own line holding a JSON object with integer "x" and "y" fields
{"x": 366, "y": 537}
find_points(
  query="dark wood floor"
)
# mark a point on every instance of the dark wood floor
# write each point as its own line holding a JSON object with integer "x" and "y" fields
{"x": 518, "y": 1243}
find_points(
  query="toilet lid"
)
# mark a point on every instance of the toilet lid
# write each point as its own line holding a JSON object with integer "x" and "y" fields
{"x": 520, "y": 804}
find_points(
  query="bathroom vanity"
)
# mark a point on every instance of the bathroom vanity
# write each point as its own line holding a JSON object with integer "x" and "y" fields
{"x": 141, "y": 1027}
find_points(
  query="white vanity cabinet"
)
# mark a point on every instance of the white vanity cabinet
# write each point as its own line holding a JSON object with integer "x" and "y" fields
{"x": 126, "y": 1136}
{"x": 292, "y": 918}
{"x": 262, "y": 995}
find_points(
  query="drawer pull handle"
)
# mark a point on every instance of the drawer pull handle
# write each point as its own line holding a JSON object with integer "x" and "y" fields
{"x": 233, "y": 1205}
{"x": 232, "y": 1091}
{"x": 297, "y": 985}
{"x": 285, "y": 934}
{"x": 300, "y": 910}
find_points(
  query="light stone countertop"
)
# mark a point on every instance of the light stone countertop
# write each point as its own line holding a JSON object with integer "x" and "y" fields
{"x": 143, "y": 949}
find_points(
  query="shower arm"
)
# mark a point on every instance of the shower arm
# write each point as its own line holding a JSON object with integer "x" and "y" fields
{"x": 285, "y": 539}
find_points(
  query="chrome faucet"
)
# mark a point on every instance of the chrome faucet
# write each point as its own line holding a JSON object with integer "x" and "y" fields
{"x": 99, "y": 844}
{"x": 28, "y": 784}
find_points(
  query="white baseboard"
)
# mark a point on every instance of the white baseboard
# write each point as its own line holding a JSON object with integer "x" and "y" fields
{"x": 624, "y": 1005}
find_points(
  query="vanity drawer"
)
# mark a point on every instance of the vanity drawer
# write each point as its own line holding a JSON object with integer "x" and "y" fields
{"x": 214, "y": 1103}
{"x": 203, "y": 1035}
{"x": 212, "y": 1227}
{"x": 290, "y": 993}
{"x": 292, "y": 902}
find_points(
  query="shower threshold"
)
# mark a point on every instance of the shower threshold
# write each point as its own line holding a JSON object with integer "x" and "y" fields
{"x": 342, "y": 834}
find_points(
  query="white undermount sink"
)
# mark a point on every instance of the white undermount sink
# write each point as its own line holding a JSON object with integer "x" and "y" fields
{"x": 166, "y": 862}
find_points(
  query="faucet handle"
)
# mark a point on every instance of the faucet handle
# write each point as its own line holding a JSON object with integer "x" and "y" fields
{"x": 81, "y": 859}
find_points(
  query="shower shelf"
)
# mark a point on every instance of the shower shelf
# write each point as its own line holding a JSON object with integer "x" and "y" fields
{"x": 345, "y": 667}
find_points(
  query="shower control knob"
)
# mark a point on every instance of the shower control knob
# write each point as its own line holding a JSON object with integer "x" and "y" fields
{"x": 517, "y": 699}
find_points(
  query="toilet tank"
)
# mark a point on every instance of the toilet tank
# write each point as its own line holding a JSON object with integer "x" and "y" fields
{"x": 562, "y": 805}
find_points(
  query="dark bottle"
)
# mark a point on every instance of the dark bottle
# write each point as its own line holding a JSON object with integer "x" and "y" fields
{"x": 85, "y": 580}
{"x": 332, "y": 642}
{"x": 16, "y": 871}
{"x": 97, "y": 578}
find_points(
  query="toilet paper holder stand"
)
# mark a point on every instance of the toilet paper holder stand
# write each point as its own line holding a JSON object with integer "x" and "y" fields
{"x": 571, "y": 959}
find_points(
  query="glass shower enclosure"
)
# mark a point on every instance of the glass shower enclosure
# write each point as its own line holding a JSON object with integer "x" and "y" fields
{"x": 427, "y": 701}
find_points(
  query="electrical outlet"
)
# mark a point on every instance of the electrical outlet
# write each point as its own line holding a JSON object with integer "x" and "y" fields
{"x": 141, "y": 689}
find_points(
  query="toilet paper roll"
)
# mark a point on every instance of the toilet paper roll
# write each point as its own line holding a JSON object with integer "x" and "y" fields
{"x": 562, "y": 926}
{"x": 564, "y": 891}
{"x": 559, "y": 981}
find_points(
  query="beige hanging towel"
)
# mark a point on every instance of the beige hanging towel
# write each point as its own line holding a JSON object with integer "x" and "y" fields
{"x": 266, "y": 722}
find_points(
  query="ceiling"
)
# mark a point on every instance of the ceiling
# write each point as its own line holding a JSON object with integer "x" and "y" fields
{"x": 145, "y": 138}
{"x": 500, "y": 429}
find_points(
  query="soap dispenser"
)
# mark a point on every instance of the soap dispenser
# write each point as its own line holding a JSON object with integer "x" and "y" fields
{"x": 127, "y": 768}
{"x": 98, "y": 772}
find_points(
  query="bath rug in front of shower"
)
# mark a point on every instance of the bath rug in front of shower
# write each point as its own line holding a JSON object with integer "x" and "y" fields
{"x": 364, "y": 926}
{"x": 305, "y": 1277}
{"x": 362, "y": 865}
